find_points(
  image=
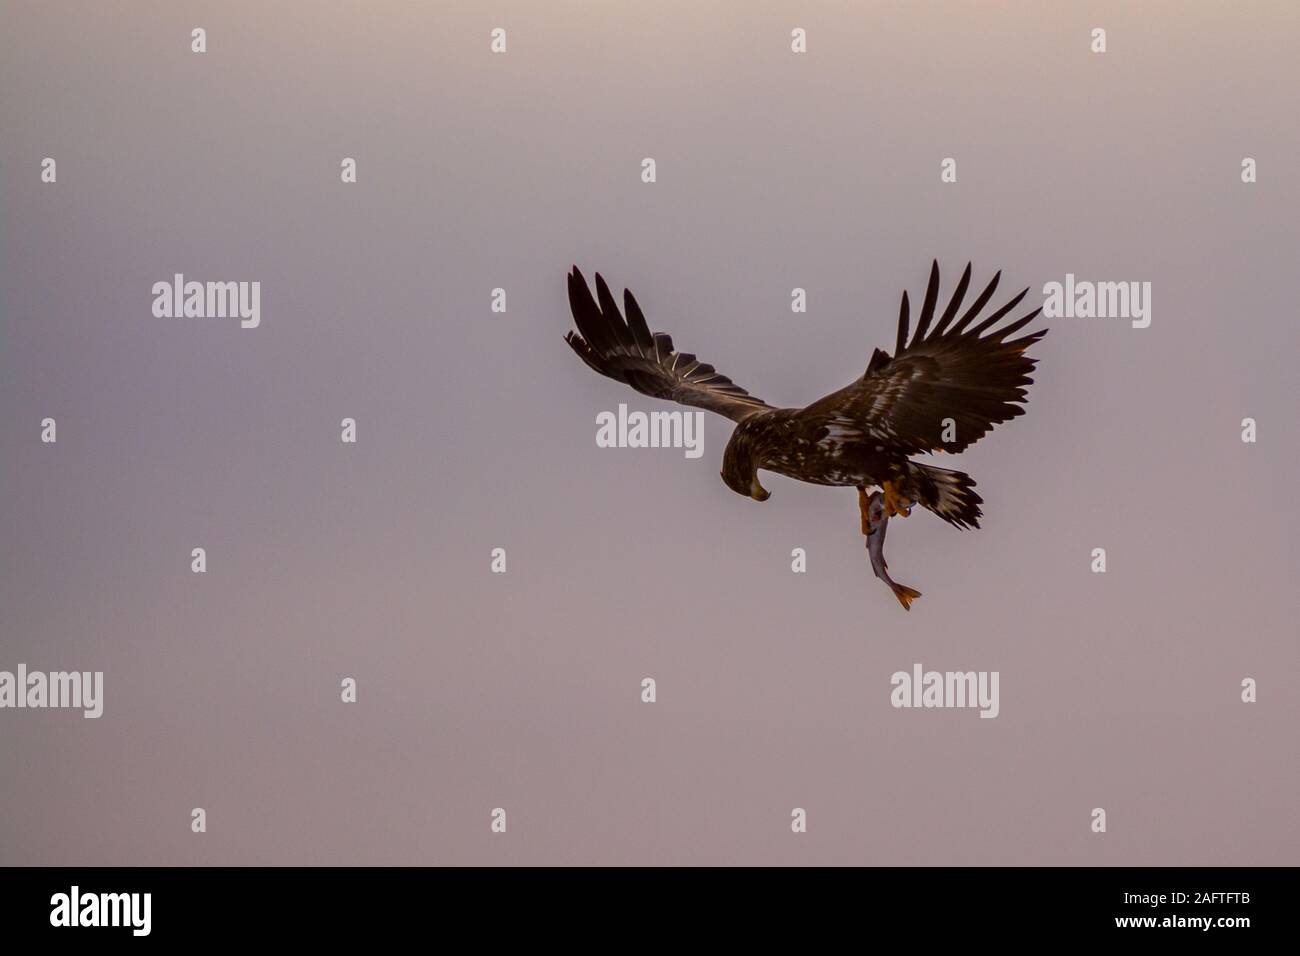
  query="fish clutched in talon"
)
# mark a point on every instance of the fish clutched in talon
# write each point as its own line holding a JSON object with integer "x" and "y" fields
{"x": 875, "y": 519}
{"x": 895, "y": 502}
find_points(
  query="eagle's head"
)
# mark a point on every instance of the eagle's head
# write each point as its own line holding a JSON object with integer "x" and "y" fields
{"x": 740, "y": 466}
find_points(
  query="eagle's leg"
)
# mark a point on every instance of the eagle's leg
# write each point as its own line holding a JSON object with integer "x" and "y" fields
{"x": 864, "y": 506}
{"x": 895, "y": 503}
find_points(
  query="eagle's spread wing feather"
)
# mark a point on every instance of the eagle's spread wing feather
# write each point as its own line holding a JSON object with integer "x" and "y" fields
{"x": 972, "y": 375}
{"x": 629, "y": 352}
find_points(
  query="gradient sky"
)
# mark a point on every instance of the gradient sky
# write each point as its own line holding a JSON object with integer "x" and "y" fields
{"x": 477, "y": 430}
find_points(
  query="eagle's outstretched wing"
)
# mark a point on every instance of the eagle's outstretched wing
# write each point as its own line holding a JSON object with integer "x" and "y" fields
{"x": 951, "y": 371}
{"x": 628, "y": 352}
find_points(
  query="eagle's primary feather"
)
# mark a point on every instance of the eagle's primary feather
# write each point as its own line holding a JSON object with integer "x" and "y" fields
{"x": 951, "y": 378}
{"x": 628, "y": 352}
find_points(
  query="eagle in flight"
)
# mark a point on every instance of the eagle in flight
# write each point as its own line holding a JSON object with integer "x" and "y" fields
{"x": 944, "y": 388}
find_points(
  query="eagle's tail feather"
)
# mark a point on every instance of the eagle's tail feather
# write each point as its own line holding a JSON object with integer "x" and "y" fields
{"x": 949, "y": 494}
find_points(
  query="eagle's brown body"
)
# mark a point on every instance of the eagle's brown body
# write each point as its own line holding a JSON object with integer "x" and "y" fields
{"x": 943, "y": 389}
{"x": 798, "y": 445}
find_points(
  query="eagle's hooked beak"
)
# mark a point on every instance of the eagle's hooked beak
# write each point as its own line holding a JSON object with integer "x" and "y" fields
{"x": 757, "y": 491}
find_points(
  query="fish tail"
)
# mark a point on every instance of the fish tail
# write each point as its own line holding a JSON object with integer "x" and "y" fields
{"x": 905, "y": 595}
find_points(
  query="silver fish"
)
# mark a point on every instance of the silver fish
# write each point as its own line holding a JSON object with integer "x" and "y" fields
{"x": 878, "y": 522}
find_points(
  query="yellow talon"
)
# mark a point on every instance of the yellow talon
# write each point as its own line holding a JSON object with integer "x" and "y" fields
{"x": 895, "y": 504}
{"x": 864, "y": 506}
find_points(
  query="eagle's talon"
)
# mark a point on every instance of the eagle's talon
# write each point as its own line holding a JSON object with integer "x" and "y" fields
{"x": 895, "y": 503}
